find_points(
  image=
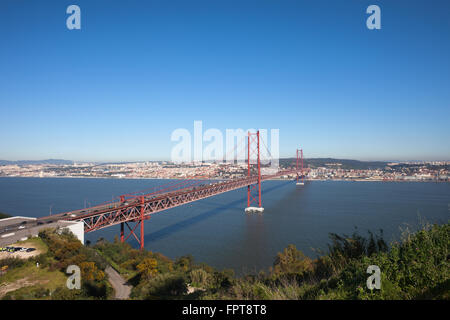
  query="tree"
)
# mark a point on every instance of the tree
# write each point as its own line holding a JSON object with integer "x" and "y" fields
{"x": 90, "y": 272}
{"x": 184, "y": 262}
{"x": 292, "y": 262}
{"x": 148, "y": 267}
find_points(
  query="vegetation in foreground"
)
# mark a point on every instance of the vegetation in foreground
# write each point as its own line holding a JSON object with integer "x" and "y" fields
{"x": 4, "y": 215}
{"x": 415, "y": 268}
{"x": 44, "y": 277}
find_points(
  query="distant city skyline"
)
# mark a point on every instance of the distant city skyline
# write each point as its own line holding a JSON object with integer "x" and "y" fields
{"x": 207, "y": 161}
{"x": 116, "y": 89}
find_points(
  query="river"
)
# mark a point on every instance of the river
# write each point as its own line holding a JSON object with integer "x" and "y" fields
{"x": 218, "y": 232}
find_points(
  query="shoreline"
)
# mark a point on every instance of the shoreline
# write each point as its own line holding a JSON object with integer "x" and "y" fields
{"x": 212, "y": 179}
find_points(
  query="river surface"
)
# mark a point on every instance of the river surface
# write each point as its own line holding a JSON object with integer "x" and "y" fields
{"x": 216, "y": 230}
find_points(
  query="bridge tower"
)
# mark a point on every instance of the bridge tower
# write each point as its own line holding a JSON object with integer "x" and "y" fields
{"x": 254, "y": 149}
{"x": 300, "y": 183}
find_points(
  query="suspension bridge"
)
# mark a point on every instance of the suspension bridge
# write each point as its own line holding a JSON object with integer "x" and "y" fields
{"x": 131, "y": 210}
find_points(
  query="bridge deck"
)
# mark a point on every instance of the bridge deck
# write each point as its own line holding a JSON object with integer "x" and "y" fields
{"x": 113, "y": 213}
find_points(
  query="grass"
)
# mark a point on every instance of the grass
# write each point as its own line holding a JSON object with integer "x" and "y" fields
{"x": 24, "y": 280}
{"x": 33, "y": 273}
{"x": 46, "y": 280}
{"x": 43, "y": 277}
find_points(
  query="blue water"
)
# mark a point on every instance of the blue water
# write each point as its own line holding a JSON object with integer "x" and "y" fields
{"x": 218, "y": 232}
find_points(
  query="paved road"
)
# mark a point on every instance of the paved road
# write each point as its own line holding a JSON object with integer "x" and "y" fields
{"x": 122, "y": 291}
{"x": 13, "y": 234}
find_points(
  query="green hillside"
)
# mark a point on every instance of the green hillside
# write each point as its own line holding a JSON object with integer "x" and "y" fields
{"x": 44, "y": 276}
{"x": 415, "y": 268}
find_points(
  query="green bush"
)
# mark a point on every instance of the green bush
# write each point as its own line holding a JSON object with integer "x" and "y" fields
{"x": 162, "y": 286}
{"x": 200, "y": 278}
{"x": 292, "y": 263}
{"x": 12, "y": 262}
{"x": 64, "y": 250}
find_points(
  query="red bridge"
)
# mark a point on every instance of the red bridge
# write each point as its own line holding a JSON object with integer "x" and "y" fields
{"x": 138, "y": 208}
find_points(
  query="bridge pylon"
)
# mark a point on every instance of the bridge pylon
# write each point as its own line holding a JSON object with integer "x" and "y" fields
{"x": 302, "y": 182}
{"x": 138, "y": 222}
{"x": 253, "y": 146}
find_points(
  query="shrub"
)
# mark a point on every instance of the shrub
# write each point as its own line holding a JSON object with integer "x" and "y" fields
{"x": 200, "y": 278}
{"x": 292, "y": 263}
{"x": 148, "y": 267}
{"x": 161, "y": 286}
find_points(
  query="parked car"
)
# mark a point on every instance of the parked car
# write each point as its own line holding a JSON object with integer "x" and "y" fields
{"x": 30, "y": 249}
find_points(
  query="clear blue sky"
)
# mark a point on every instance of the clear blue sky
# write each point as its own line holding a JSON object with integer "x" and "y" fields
{"x": 137, "y": 70}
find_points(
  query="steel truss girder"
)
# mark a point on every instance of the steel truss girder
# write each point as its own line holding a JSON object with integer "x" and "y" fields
{"x": 121, "y": 212}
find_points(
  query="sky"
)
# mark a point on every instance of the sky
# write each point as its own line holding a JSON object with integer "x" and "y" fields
{"x": 116, "y": 89}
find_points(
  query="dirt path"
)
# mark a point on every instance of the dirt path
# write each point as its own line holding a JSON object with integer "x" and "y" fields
{"x": 8, "y": 287}
{"x": 122, "y": 291}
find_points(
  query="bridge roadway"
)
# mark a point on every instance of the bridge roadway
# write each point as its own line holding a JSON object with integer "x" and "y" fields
{"x": 141, "y": 207}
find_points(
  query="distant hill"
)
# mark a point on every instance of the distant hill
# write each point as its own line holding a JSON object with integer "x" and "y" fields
{"x": 336, "y": 163}
{"x": 25, "y": 162}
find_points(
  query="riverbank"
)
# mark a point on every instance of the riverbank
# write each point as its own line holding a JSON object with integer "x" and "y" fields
{"x": 218, "y": 179}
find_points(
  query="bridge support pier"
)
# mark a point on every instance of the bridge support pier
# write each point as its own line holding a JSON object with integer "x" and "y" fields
{"x": 132, "y": 231}
{"x": 254, "y": 210}
{"x": 138, "y": 222}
